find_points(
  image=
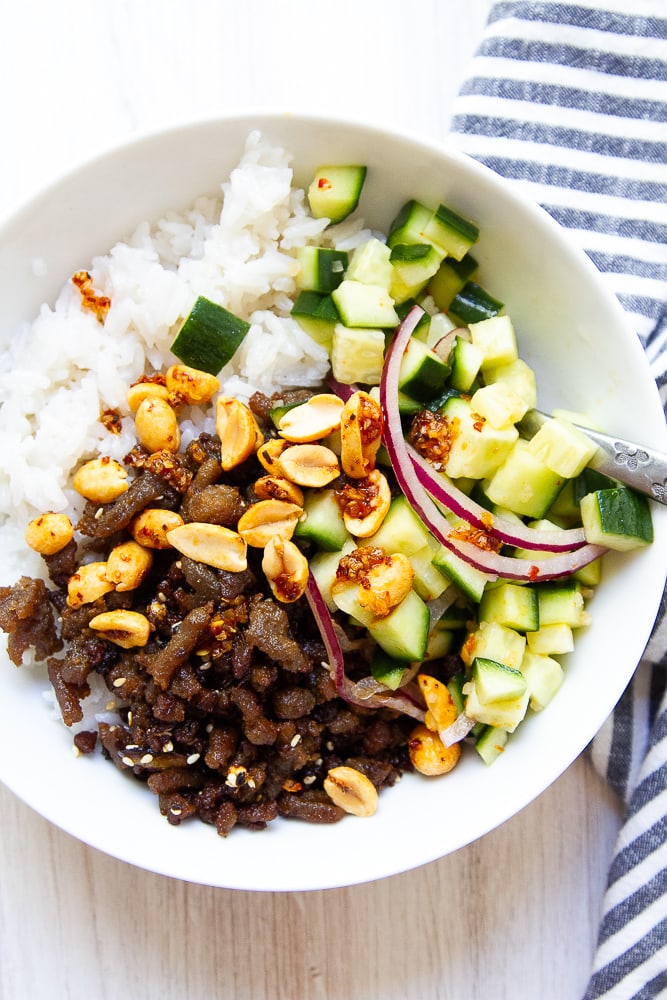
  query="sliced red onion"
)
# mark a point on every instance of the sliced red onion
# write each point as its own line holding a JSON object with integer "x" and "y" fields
{"x": 444, "y": 491}
{"x": 443, "y": 347}
{"x": 399, "y": 701}
{"x": 491, "y": 563}
{"x": 341, "y": 389}
{"x": 458, "y": 730}
{"x": 438, "y": 605}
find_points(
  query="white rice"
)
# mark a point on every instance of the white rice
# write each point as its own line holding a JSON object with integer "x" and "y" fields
{"x": 62, "y": 371}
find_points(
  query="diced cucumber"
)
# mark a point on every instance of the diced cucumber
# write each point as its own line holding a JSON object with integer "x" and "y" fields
{"x": 412, "y": 266}
{"x": 490, "y": 743}
{"x": 544, "y": 676}
{"x": 518, "y": 375}
{"x": 403, "y": 634}
{"x": 564, "y": 511}
{"x": 466, "y": 360}
{"x": 450, "y": 278}
{"x": 276, "y": 413}
{"x": 406, "y": 407}
{"x": 477, "y": 449}
{"x": 370, "y": 263}
{"x": 494, "y": 642}
{"x": 455, "y": 688}
{"x": 409, "y": 224}
{"x": 321, "y": 268}
{"x": 428, "y": 581}
{"x": 365, "y": 305}
{"x": 209, "y": 337}
{"x": 346, "y": 598}
{"x": 323, "y": 566}
{"x": 499, "y": 404}
{"x": 496, "y": 339}
{"x": 512, "y": 605}
{"x": 562, "y": 447}
{"x": 473, "y": 304}
{"x": 422, "y": 328}
{"x": 591, "y": 574}
{"x": 496, "y": 681}
{"x": 401, "y": 531}
{"x": 505, "y": 714}
{"x": 357, "y": 355}
{"x": 451, "y": 232}
{"x": 455, "y": 617}
{"x": 561, "y": 603}
{"x": 617, "y": 518}
{"x": 422, "y": 374}
{"x": 470, "y": 580}
{"x": 317, "y": 315}
{"x": 438, "y": 328}
{"x": 334, "y": 191}
{"x": 322, "y": 521}
{"x": 551, "y": 640}
{"x": 523, "y": 484}
{"x": 440, "y": 642}
{"x": 386, "y": 669}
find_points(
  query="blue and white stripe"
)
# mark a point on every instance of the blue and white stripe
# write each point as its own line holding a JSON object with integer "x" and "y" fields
{"x": 569, "y": 101}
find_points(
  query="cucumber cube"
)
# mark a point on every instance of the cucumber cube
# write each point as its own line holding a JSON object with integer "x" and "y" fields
{"x": 496, "y": 339}
{"x": 401, "y": 531}
{"x": 322, "y": 521}
{"x": 321, "y": 268}
{"x": 450, "y": 278}
{"x": 412, "y": 266}
{"x": 466, "y": 360}
{"x": 519, "y": 376}
{"x": 365, "y": 305}
{"x": 317, "y": 315}
{"x": 499, "y": 404}
{"x": 562, "y": 447}
{"x": 543, "y": 676}
{"x": 551, "y": 640}
{"x": 386, "y": 669}
{"x": 403, "y": 634}
{"x": 440, "y": 642}
{"x": 617, "y": 518}
{"x": 323, "y": 566}
{"x": 409, "y": 224}
{"x": 561, "y": 604}
{"x": 470, "y": 580}
{"x": 423, "y": 374}
{"x": 506, "y": 714}
{"x": 496, "y": 681}
{"x": 334, "y": 191}
{"x": 523, "y": 484}
{"x": 449, "y": 231}
{"x": 440, "y": 325}
{"x": 512, "y": 605}
{"x": 357, "y": 355}
{"x": 370, "y": 264}
{"x": 492, "y": 641}
{"x": 474, "y": 304}
{"x": 477, "y": 449}
{"x": 428, "y": 580}
{"x": 490, "y": 743}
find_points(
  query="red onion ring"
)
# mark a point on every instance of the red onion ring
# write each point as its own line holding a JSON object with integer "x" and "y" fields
{"x": 492, "y": 563}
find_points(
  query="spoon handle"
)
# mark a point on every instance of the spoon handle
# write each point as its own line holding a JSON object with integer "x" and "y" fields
{"x": 642, "y": 468}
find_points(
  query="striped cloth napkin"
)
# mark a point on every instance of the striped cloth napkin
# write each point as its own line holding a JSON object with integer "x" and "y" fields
{"x": 569, "y": 101}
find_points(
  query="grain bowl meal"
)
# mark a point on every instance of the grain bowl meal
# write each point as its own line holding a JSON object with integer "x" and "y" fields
{"x": 273, "y": 528}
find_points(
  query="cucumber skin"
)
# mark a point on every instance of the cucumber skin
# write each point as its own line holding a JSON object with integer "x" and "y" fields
{"x": 618, "y": 518}
{"x": 209, "y": 337}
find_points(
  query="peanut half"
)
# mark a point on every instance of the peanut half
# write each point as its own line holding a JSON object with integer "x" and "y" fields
{"x": 239, "y": 432}
{"x": 267, "y": 518}
{"x": 351, "y": 790}
{"x": 309, "y": 465}
{"x": 318, "y": 417}
{"x": 211, "y": 544}
{"x": 286, "y": 569}
{"x": 126, "y": 629}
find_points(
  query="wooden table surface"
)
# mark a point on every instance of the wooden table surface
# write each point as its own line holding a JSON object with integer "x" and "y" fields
{"x": 514, "y": 915}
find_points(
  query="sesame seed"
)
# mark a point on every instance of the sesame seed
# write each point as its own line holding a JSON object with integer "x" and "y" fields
{"x": 295, "y": 740}
{"x": 131, "y": 746}
{"x": 110, "y": 705}
{"x": 209, "y": 727}
{"x": 168, "y": 747}
{"x": 251, "y": 783}
{"x": 118, "y": 683}
{"x": 309, "y": 779}
{"x": 329, "y": 745}
{"x": 75, "y": 750}
{"x": 193, "y": 758}
{"x": 98, "y": 513}
{"x": 231, "y": 780}
{"x": 146, "y": 759}
{"x": 128, "y": 761}
{"x": 130, "y": 717}
{"x": 175, "y": 811}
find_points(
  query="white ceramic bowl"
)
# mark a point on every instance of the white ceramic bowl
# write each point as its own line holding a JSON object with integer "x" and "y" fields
{"x": 570, "y": 329}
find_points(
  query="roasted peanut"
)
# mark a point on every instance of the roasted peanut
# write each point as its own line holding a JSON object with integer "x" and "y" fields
{"x": 276, "y": 488}
{"x": 190, "y": 384}
{"x": 386, "y": 584}
{"x": 142, "y": 390}
{"x": 126, "y": 629}
{"x": 351, "y": 790}
{"x": 128, "y": 565}
{"x": 360, "y": 434}
{"x": 211, "y": 544}
{"x": 87, "y": 584}
{"x": 286, "y": 569}
{"x": 365, "y": 503}
{"x": 101, "y": 480}
{"x": 239, "y": 433}
{"x": 150, "y": 527}
{"x": 49, "y": 533}
{"x": 308, "y": 465}
{"x": 156, "y": 425}
{"x": 312, "y": 420}
{"x": 269, "y": 452}
{"x": 428, "y": 753}
{"x": 441, "y": 709}
{"x": 267, "y": 518}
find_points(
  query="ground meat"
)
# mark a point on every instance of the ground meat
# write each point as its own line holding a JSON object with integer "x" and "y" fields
{"x": 261, "y": 404}
{"x": 216, "y": 504}
{"x": 268, "y": 630}
{"x": 27, "y": 615}
{"x": 147, "y": 490}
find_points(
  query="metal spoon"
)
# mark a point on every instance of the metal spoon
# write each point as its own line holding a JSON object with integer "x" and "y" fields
{"x": 644, "y": 469}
